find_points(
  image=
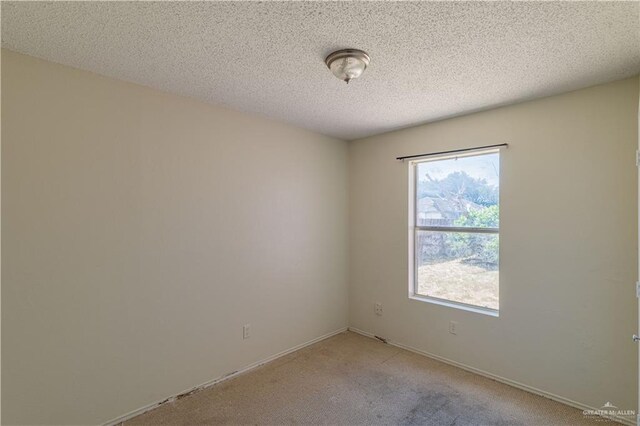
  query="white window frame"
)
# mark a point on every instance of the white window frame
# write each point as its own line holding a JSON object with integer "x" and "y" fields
{"x": 413, "y": 229}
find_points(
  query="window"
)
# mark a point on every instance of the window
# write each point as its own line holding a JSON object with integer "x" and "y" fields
{"x": 455, "y": 222}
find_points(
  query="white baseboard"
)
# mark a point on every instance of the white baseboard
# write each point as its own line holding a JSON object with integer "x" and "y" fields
{"x": 558, "y": 398}
{"x": 217, "y": 380}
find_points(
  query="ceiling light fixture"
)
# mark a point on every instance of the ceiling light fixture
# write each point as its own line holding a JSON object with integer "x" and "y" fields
{"x": 347, "y": 64}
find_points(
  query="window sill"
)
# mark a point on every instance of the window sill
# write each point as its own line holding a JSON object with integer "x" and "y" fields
{"x": 456, "y": 305}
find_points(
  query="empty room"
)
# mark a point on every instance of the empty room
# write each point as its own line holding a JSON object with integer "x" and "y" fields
{"x": 319, "y": 213}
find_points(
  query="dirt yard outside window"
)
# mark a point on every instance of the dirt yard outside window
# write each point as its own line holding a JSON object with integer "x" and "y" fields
{"x": 459, "y": 282}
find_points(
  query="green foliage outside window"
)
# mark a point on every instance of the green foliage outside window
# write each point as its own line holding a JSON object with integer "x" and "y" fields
{"x": 476, "y": 248}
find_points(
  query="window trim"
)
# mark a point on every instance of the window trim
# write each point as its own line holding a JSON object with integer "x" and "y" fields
{"x": 413, "y": 228}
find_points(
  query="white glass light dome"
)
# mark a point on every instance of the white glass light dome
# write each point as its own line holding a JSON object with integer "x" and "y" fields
{"x": 347, "y": 64}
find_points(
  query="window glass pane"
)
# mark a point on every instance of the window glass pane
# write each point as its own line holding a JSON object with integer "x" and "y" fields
{"x": 460, "y": 192}
{"x": 458, "y": 266}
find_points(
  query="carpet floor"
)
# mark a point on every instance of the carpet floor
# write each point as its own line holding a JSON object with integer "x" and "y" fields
{"x": 350, "y": 379}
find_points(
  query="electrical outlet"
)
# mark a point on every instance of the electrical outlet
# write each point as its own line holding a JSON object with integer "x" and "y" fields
{"x": 246, "y": 331}
{"x": 453, "y": 327}
{"x": 377, "y": 308}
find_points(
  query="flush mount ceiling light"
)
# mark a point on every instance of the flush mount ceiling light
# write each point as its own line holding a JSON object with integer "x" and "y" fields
{"x": 347, "y": 64}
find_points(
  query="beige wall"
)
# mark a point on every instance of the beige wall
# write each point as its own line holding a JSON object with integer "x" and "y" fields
{"x": 141, "y": 230}
{"x": 567, "y": 244}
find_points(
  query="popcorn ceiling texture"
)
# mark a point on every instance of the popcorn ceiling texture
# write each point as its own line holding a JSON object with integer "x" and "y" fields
{"x": 428, "y": 60}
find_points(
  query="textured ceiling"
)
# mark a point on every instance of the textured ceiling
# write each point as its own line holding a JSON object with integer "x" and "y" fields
{"x": 428, "y": 60}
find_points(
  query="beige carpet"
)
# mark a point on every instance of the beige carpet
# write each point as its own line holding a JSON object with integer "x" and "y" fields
{"x": 350, "y": 379}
